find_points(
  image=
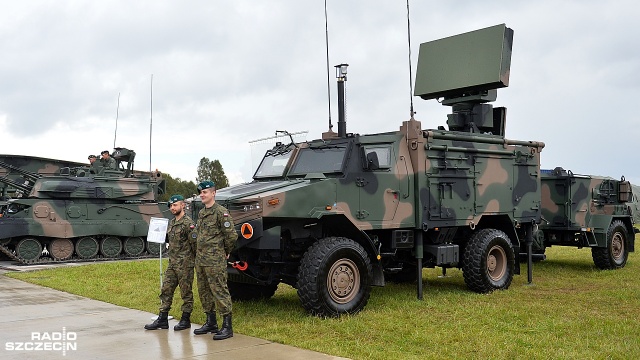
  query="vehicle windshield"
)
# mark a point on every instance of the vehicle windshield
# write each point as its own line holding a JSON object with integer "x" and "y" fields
{"x": 319, "y": 160}
{"x": 273, "y": 165}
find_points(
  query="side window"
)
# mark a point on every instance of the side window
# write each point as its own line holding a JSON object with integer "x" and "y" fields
{"x": 383, "y": 153}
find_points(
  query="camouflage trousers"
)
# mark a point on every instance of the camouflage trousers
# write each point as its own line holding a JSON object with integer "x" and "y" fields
{"x": 177, "y": 276}
{"x": 212, "y": 286}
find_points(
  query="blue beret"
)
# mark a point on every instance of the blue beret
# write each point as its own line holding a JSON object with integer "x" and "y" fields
{"x": 206, "y": 185}
{"x": 175, "y": 198}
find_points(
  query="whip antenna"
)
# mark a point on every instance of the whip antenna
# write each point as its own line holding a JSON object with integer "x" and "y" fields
{"x": 116, "y": 132}
{"x": 151, "y": 124}
{"x": 326, "y": 40}
{"x": 411, "y": 112}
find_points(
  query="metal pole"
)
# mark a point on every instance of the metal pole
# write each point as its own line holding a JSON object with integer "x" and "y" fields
{"x": 530, "y": 254}
{"x": 419, "y": 255}
{"x": 342, "y": 124}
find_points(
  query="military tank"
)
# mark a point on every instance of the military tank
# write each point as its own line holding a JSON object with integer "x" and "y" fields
{"x": 79, "y": 213}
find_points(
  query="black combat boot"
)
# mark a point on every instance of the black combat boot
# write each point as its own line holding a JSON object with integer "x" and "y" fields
{"x": 161, "y": 322}
{"x": 226, "y": 331}
{"x": 211, "y": 326}
{"x": 185, "y": 322}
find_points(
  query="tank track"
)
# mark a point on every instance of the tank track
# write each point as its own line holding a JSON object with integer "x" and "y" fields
{"x": 74, "y": 259}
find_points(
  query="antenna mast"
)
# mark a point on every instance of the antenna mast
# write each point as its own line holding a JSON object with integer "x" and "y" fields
{"x": 326, "y": 40}
{"x": 151, "y": 124}
{"x": 411, "y": 112}
{"x": 117, "y": 113}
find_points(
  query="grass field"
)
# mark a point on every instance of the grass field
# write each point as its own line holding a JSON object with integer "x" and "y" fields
{"x": 571, "y": 311}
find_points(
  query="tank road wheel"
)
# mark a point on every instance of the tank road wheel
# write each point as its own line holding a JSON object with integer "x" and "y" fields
{"x": 134, "y": 246}
{"x": 243, "y": 291}
{"x": 154, "y": 248}
{"x": 61, "y": 249}
{"x": 615, "y": 255}
{"x": 29, "y": 249}
{"x": 334, "y": 277}
{"x": 110, "y": 246}
{"x": 87, "y": 247}
{"x": 489, "y": 261}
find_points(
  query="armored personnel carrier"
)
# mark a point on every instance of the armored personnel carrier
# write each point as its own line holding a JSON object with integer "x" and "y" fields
{"x": 79, "y": 213}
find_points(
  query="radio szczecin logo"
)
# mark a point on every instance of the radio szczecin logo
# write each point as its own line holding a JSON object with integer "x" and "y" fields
{"x": 46, "y": 341}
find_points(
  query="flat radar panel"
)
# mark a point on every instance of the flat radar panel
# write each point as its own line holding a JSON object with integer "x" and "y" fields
{"x": 464, "y": 64}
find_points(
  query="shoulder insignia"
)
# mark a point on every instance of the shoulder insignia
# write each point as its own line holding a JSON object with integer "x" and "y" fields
{"x": 194, "y": 235}
{"x": 227, "y": 224}
{"x": 192, "y": 226}
{"x": 225, "y": 214}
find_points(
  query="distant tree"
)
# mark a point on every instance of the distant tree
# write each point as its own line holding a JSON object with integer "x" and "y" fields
{"x": 212, "y": 170}
{"x": 178, "y": 186}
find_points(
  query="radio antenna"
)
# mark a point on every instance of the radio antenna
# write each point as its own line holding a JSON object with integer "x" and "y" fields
{"x": 411, "y": 112}
{"x": 117, "y": 113}
{"x": 151, "y": 124}
{"x": 326, "y": 40}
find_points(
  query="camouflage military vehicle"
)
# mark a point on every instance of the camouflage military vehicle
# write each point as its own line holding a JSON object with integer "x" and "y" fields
{"x": 31, "y": 168}
{"x": 79, "y": 213}
{"x": 334, "y": 216}
{"x": 587, "y": 211}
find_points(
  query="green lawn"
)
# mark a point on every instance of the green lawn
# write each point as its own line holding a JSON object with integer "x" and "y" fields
{"x": 572, "y": 311}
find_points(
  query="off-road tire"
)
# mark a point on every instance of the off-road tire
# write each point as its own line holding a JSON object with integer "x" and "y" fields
{"x": 334, "y": 277}
{"x": 489, "y": 261}
{"x": 243, "y": 291}
{"x": 615, "y": 255}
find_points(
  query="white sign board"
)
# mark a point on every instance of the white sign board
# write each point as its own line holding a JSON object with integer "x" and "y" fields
{"x": 157, "y": 230}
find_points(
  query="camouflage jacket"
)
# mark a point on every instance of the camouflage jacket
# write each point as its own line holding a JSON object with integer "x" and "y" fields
{"x": 182, "y": 247}
{"x": 216, "y": 235}
{"x": 109, "y": 164}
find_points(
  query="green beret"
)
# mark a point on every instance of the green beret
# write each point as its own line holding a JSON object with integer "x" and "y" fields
{"x": 174, "y": 199}
{"x": 206, "y": 185}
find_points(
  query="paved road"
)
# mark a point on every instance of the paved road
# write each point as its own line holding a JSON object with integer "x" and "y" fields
{"x": 66, "y": 326}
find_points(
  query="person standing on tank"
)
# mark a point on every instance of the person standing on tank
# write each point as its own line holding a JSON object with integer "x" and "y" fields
{"x": 182, "y": 252}
{"x": 108, "y": 162}
{"x": 216, "y": 237}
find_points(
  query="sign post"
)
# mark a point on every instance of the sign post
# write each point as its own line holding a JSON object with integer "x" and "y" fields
{"x": 157, "y": 234}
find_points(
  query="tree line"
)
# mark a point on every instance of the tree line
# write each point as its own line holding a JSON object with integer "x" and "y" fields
{"x": 207, "y": 170}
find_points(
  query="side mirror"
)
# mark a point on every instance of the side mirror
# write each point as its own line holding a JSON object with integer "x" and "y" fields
{"x": 372, "y": 161}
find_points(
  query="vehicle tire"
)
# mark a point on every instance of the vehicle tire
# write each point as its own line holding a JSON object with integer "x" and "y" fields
{"x": 61, "y": 249}
{"x": 334, "y": 277}
{"x": 489, "y": 261}
{"x": 243, "y": 291}
{"x": 615, "y": 255}
{"x": 29, "y": 249}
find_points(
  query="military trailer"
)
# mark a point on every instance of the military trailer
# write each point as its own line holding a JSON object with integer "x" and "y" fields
{"x": 79, "y": 213}
{"x": 586, "y": 211}
{"x": 334, "y": 216}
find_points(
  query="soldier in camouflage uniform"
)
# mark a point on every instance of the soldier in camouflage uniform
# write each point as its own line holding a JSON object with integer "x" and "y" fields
{"x": 216, "y": 236}
{"x": 108, "y": 162}
{"x": 182, "y": 249}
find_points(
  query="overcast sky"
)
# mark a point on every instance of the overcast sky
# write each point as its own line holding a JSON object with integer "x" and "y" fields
{"x": 227, "y": 72}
